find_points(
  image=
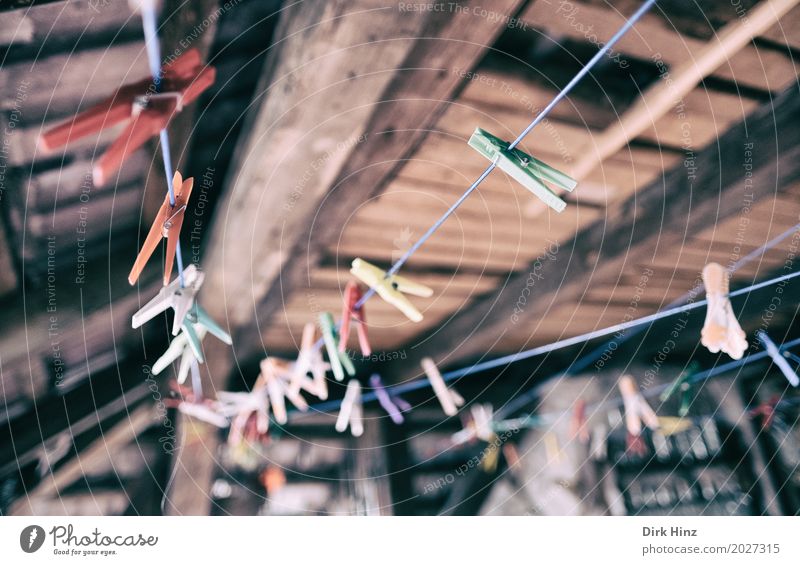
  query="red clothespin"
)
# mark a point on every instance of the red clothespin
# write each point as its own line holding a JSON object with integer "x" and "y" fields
{"x": 146, "y": 110}
{"x": 767, "y": 412}
{"x": 167, "y": 224}
{"x": 352, "y": 294}
{"x": 578, "y": 429}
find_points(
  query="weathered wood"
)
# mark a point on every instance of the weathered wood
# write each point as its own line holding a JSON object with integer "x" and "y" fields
{"x": 635, "y": 231}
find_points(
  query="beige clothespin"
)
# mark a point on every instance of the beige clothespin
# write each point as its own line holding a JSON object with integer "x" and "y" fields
{"x": 721, "y": 331}
{"x": 391, "y": 288}
{"x": 637, "y": 410}
{"x": 276, "y": 374}
{"x": 351, "y": 412}
{"x": 448, "y": 398}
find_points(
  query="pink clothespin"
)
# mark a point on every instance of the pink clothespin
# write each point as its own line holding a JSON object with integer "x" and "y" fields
{"x": 309, "y": 360}
{"x": 448, "y": 397}
{"x": 637, "y": 413}
{"x": 352, "y": 294}
{"x": 578, "y": 429}
{"x": 767, "y": 412}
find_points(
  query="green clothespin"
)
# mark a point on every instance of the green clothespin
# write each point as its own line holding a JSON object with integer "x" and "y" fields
{"x": 526, "y": 170}
{"x": 682, "y": 385}
{"x": 339, "y": 360}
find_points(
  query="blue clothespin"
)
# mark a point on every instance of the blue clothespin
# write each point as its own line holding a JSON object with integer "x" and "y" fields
{"x": 779, "y": 360}
{"x": 339, "y": 360}
{"x": 526, "y": 170}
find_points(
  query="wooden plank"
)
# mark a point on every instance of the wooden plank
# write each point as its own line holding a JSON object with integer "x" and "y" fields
{"x": 632, "y": 234}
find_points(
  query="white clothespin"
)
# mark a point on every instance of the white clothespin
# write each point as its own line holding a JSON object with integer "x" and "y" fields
{"x": 351, "y": 411}
{"x": 721, "y": 331}
{"x": 309, "y": 360}
{"x": 241, "y": 407}
{"x": 173, "y": 296}
{"x": 203, "y": 411}
{"x": 448, "y": 398}
{"x": 779, "y": 360}
{"x": 637, "y": 410}
{"x": 183, "y": 347}
{"x": 479, "y": 427}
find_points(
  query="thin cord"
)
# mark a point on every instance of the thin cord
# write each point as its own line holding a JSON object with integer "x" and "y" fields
{"x": 541, "y": 116}
{"x": 534, "y": 420}
{"x": 541, "y": 350}
{"x": 154, "y": 60}
{"x": 598, "y": 352}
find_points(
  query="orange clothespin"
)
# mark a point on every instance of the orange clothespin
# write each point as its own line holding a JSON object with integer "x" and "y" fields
{"x": 146, "y": 110}
{"x": 167, "y": 224}
{"x": 352, "y": 294}
{"x": 578, "y": 429}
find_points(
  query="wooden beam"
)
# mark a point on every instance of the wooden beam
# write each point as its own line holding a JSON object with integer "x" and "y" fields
{"x": 97, "y": 454}
{"x": 363, "y": 109}
{"x": 659, "y": 217}
{"x": 661, "y": 97}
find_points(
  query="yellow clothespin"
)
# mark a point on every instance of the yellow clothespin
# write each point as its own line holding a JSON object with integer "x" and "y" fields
{"x": 391, "y": 288}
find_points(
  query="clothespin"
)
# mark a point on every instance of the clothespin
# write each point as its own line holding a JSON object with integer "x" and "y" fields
{"x": 339, "y": 360}
{"x": 166, "y": 225}
{"x": 721, "y": 331}
{"x": 276, "y": 374}
{"x": 173, "y": 296}
{"x": 309, "y": 360}
{"x": 190, "y": 404}
{"x": 578, "y": 429}
{"x": 683, "y": 385}
{"x": 779, "y": 360}
{"x": 526, "y": 170}
{"x": 352, "y": 294}
{"x": 767, "y": 410}
{"x": 351, "y": 411}
{"x": 146, "y": 111}
{"x": 249, "y": 412}
{"x": 393, "y": 404}
{"x": 448, "y": 398}
{"x": 391, "y": 287}
{"x": 637, "y": 410}
{"x": 196, "y": 324}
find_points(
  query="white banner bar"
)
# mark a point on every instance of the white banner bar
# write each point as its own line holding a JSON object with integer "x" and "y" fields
{"x": 386, "y": 541}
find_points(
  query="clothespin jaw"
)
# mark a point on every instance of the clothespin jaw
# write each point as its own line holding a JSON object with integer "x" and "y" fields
{"x": 780, "y": 361}
{"x": 448, "y": 398}
{"x": 526, "y": 170}
{"x": 186, "y": 346}
{"x": 173, "y": 296}
{"x": 637, "y": 410}
{"x": 340, "y": 361}
{"x": 721, "y": 330}
{"x": 393, "y": 404}
{"x": 352, "y": 294}
{"x": 146, "y": 111}
{"x": 351, "y": 411}
{"x": 391, "y": 287}
{"x": 309, "y": 360}
{"x": 166, "y": 225}
{"x": 683, "y": 385}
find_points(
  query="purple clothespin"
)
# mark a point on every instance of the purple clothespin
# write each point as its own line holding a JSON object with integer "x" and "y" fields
{"x": 393, "y": 404}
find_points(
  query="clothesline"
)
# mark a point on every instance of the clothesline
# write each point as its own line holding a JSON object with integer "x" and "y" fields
{"x": 543, "y": 349}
